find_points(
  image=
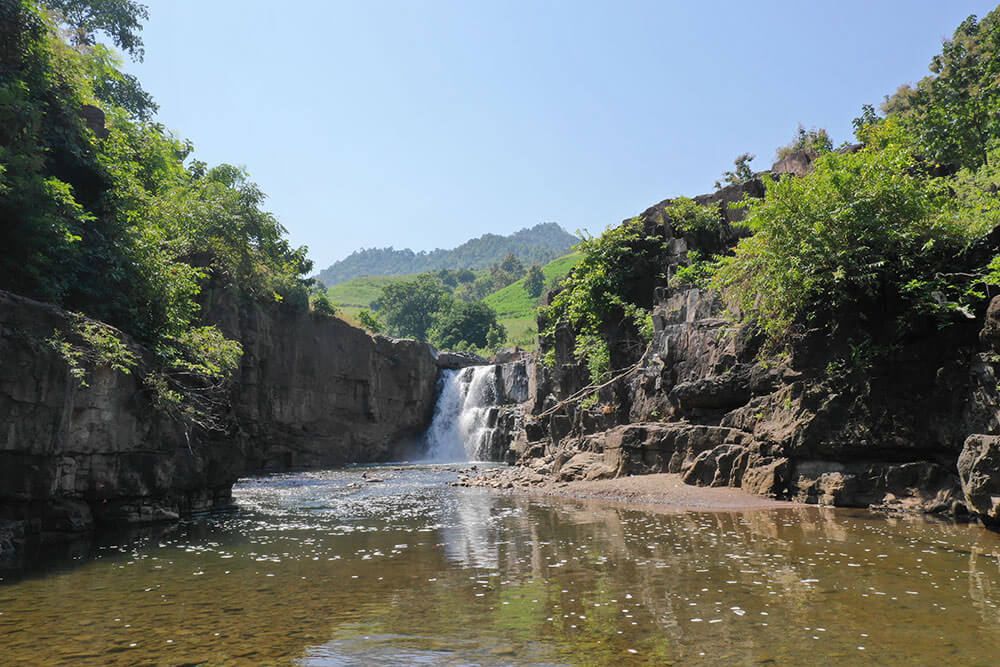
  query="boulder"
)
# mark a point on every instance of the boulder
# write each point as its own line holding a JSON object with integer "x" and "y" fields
{"x": 979, "y": 472}
{"x": 797, "y": 163}
{"x": 585, "y": 466}
{"x": 990, "y": 335}
{"x": 453, "y": 361}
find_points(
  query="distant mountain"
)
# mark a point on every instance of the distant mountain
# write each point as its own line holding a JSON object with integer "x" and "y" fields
{"x": 538, "y": 245}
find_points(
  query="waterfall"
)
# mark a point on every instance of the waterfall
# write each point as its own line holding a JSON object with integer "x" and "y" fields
{"x": 465, "y": 415}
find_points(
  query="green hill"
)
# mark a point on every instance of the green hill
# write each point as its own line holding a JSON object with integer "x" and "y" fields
{"x": 358, "y": 294}
{"x": 537, "y": 245}
{"x": 516, "y": 308}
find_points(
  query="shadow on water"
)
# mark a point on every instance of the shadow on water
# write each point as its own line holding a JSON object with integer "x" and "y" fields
{"x": 391, "y": 565}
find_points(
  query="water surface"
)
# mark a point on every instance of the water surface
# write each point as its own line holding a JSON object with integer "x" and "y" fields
{"x": 329, "y": 568}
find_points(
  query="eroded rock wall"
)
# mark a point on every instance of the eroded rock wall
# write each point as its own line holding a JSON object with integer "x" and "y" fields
{"x": 912, "y": 428}
{"x": 75, "y": 456}
{"x": 314, "y": 390}
{"x": 310, "y": 391}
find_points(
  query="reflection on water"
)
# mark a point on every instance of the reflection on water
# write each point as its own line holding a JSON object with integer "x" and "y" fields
{"x": 333, "y": 569}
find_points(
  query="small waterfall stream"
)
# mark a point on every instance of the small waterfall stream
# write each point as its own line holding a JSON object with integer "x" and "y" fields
{"x": 465, "y": 416}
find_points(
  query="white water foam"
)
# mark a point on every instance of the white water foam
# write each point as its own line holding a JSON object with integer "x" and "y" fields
{"x": 460, "y": 429}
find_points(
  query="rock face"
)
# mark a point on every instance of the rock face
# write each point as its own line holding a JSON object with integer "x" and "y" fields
{"x": 311, "y": 391}
{"x": 979, "y": 470}
{"x": 703, "y": 402}
{"x": 75, "y": 456}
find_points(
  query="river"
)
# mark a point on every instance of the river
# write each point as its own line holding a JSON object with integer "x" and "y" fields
{"x": 332, "y": 568}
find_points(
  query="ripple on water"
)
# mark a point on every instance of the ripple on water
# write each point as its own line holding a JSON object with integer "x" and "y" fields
{"x": 325, "y": 568}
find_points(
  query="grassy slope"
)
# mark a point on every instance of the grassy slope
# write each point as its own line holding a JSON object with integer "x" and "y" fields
{"x": 516, "y": 308}
{"x": 357, "y": 295}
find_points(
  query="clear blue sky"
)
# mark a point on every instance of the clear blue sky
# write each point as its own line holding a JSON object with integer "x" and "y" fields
{"x": 424, "y": 124}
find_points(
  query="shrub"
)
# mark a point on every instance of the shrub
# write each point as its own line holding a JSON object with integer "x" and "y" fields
{"x": 814, "y": 140}
{"x": 740, "y": 174}
{"x": 866, "y": 233}
{"x": 369, "y": 321}
{"x": 321, "y": 304}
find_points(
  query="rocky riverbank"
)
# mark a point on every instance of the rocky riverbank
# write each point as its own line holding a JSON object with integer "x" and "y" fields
{"x": 311, "y": 391}
{"x": 823, "y": 421}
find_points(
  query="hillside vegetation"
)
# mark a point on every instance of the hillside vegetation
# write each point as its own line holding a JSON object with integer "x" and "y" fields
{"x": 512, "y": 303}
{"x": 359, "y": 294}
{"x": 104, "y": 211}
{"x": 537, "y": 245}
{"x": 516, "y": 307}
{"x": 876, "y": 244}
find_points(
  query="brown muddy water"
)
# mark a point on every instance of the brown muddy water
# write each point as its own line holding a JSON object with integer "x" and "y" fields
{"x": 326, "y": 568}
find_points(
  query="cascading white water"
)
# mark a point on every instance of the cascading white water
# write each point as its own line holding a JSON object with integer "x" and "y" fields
{"x": 460, "y": 429}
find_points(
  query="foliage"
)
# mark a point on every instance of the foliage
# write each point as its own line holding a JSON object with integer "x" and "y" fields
{"x": 688, "y": 217}
{"x": 410, "y": 308}
{"x": 470, "y": 323}
{"x": 697, "y": 272}
{"x": 813, "y": 140}
{"x": 369, "y": 321}
{"x": 93, "y": 343}
{"x": 534, "y": 281}
{"x": 516, "y": 307}
{"x": 741, "y": 174}
{"x": 119, "y": 19}
{"x": 537, "y": 245}
{"x": 592, "y": 348}
{"x": 506, "y": 272}
{"x": 866, "y": 233}
{"x": 322, "y": 304}
{"x": 599, "y": 290}
{"x": 116, "y": 222}
{"x": 952, "y": 113}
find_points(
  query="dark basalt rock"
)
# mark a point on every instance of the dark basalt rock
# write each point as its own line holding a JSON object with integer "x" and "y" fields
{"x": 310, "y": 391}
{"x": 454, "y": 361}
{"x": 979, "y": 470}
{"x": 705, "y": 404}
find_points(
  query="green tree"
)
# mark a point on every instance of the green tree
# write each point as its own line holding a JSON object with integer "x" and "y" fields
{"x": 410, "y": 308}
{"x": 740, "y": 174}
{"x": 534, "y": 281}
{"x": 119, "y": 19}
{"x": 815, "y": 140}
{"x": 111, "y": 222}
{"x": 953, "y": 112}
{"x": 866, "y": 234}
{"x": 506, "y": 272}
{"x": 467, "y": 324}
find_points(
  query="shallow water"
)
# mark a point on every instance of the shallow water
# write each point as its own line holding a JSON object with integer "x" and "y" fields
{"x": 329, "y": 569}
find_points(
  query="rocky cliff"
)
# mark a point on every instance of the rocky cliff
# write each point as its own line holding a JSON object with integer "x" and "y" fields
{"x": 310, "y": 391}
{"x": 314, "y": 390}
{"x": 822, "y": 422}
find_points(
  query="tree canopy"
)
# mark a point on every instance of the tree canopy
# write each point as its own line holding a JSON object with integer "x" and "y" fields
{"x": 104, "y": 212}
{"x": 954, "y": 113}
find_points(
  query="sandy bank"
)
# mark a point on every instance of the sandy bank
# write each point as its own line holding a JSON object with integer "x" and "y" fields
{"x": 664, "y": 491}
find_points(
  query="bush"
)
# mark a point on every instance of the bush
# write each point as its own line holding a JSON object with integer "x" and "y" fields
{"x": 467, "y": 324}
{"x": 697, "y": 273}
{"x": 814, "y": 140}
{"x": 321, "y": 304}
{"x": 740, "y": 174}
{"x": 866, "y": 234}
{"x": 369, "y": 321}
{"x": 601, "y": 288}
